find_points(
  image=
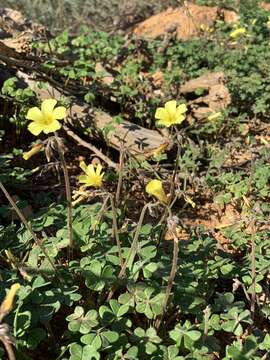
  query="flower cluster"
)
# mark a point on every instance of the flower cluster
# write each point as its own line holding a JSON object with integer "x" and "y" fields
{"x": 46, "y": 120}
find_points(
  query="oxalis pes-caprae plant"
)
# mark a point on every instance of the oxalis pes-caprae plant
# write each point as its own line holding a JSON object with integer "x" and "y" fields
{"x": 46, "y": 120}
{"x": 217, "y": 304}
{"x": 168, "y": 116}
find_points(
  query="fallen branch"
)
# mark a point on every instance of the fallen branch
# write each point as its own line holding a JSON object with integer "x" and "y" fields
{"x": 90, "y": 147}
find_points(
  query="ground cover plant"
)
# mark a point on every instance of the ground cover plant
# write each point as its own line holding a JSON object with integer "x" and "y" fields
{"x": 105, "y": 254}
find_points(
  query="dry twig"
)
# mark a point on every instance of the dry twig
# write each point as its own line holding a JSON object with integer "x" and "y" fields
{"x": 90, "y": 147}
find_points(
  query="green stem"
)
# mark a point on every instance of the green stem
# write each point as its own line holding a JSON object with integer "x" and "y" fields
{"x": 68, "y": 195}
{"x": 171, "y": 277}
{"x": 134, "y": 246}
{"x": 115, "y": 231}
{"x": 133, "y": 249}
{"x": 253, "y": 272}
{"x": 120, "y": 177}
{"x": 15, "y": 321}
{"x": 172, "y": 186}
{"x": 207, "y": 314}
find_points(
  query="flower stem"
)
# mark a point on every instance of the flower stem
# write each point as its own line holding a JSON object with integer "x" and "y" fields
{"x": 172, "y": 185}
{"x": 9, "y": 350}
{"x": 68, "y": 195}
{"x": 207, "y": 314}
{"x": 253, "y": 271}
{"x": 173, "y": 271}
{"x": 115, "y": 230}
{"x": 133, "y": 248}
{"x": 120, "y": 176}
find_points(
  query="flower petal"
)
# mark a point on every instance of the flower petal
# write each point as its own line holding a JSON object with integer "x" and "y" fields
{"x": 53, "y": 126}
{"x": 83, "y": 166}
{"x": 59, "y": 112}
{"x": 34, "y": 114}
{"x": 153, "y": 185}
{"x": 181, "y": 109}
{"x": 162, "y": 114}
{"x": 83, "y": 179}
{"x": 35, "y": 149}
{"x": 7, "y": 304}
{"x": 90, "y": 171}
{"x": 35, "y": 128}
{"x": 166, "y": 123}
{"x": 170, "y": 106}
{"x": 98, "y": 169}
{"x": 47, "y": 106}
{"x": 179, "y": 119}
{"x": 155, "y": 188}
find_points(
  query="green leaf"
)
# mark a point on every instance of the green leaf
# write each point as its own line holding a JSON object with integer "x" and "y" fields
{"x": 148, "y": 252}
{"x": 39, "y": 282}
{"x": 150, "y": 348}
{"x": 76, "y": 352}
{"x": 265, "y": 345}
{"x": 139, "y": 332}
{"x": 87, "y": 352}
{"x": 172, "y": 352}
{"x": 226, "y": 269}
{"x": 111, "y": 336}
{"x": 35, "y": 337}
{"x": 82, "y": 323}
{"x": 88, "y": 338}
{"x": 122, "y": 310}
{"x": 132, "y": 353}
{"x": 194, "y": 335}
{"x": 149, "y": 269}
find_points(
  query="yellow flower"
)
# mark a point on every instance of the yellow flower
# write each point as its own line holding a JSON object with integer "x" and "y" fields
{"x": 35, "y": 149}
{"x": 7, "y": 304}
{"x": 237, "y": 32}
{"x": 46, "y": 119}
{"x": 171, "y": 114}
{"x": 268, "y": 22}
{"x": 93, "y": 177}
{"x": 154, "y": 187}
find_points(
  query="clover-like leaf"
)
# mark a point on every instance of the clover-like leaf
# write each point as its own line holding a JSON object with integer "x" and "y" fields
{"x": 87, "y": 352}
{"x": 78, "y": 322}
{"x": 233, "y": 320}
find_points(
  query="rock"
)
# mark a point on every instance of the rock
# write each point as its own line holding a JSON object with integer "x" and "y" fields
{"x": 265, "y": 6}
{"x": 137, "y": 139}
{"x": 105, "y": 76}
{"x": 18, "y": 32}
{"x": 216, "y": 99}
{"x": 187, "y": 20}
{"x": 205, "y": 81}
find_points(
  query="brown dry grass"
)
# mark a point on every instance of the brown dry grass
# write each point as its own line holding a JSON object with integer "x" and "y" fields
{"x": 101, "y": 15}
